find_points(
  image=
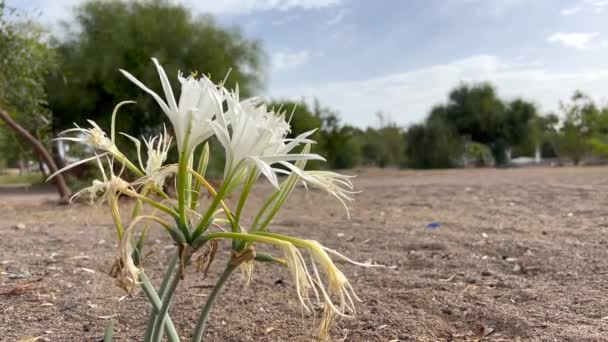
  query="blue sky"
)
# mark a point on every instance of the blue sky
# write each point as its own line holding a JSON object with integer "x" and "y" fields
{"x": 401, "y": 57}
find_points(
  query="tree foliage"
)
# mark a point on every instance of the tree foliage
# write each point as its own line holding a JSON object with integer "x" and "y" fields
{"x": 476, "y": 114}
{"x": 584, "y": 129}
{"x": 25, "y": 59}
{"x": 107, "y": 35}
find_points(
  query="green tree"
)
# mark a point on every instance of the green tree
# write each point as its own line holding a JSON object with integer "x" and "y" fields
{"x": 339, "y": 143}
{"x": 25, "y": 59}
{"x": 434, "y": 144}
{"x": 478, "y": 115}
{"x": 107, "y": 35}
{"x": 582, "y": 123}
{"x": 519, "y": 124}
{"x": 384, "y": 146}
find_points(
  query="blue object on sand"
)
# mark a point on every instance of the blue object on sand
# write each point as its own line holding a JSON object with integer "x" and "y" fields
{"x": 433, "y": 225}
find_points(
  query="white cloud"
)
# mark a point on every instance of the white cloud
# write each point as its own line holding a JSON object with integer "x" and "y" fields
{"x": 335, "y": 20}
{"x": 248, "y": 6}
{"x": 575, "y": 40}
{"x": 408, "y": 96}
{"x": 52, "y": 10}
{"x": 287, "y": 19}
{"x": 49, "y": 11}
{"x": 570, "y": 11}
{"x": 281, "y": 61}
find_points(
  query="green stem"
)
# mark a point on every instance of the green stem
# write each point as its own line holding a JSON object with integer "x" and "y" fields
{"x": 166, "y": 303}
{"x": 182, "y": 175}
{"x": 201, "y": 169}
{"x": 262, "y": 211}
{"x": 156, "y": 305}
{"x": 238, "y": 245}
{"x": 108, "y": 335}
{"x": 161, "y": 292}
{"x": 151, "y": 202}
{"x": 181, "y": 187}
{"x": 200, "y": 229}
{"x": 199, "y": 330}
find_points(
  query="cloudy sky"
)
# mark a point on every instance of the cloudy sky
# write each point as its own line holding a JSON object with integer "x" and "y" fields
{"x": 401, "y": 57}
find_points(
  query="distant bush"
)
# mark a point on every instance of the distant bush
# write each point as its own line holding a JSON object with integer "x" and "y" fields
{"x": 477, "y": 154}
{"x": 434, "y": 145}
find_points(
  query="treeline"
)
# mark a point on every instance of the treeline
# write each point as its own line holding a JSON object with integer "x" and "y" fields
{"x": 474, "y": 127}
{"x": 49, "y": 83}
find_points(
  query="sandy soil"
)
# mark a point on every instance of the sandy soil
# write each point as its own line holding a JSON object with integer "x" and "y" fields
{"x": 520, "y": 255}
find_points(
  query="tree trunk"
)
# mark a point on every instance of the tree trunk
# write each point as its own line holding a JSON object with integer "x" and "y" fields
{"x": 42, "y": 167}
{"x": 59, "y": 181}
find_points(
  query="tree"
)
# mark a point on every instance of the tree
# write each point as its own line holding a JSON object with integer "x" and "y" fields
{"x": 107, "y": 35}
{"x": 338, "y": 143}
{"x": 518, "y": 123}
{"x": 384, "y": 146}
{"x": 432, "y": 145}
{"x": 25, "y": 59}
{"x": 478, "y": 115}
{"x": 581, "y": 124}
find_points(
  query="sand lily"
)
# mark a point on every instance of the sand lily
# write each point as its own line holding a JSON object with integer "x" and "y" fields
{"x": 254, "y": 137}
{"x": 199, "y": 102}
{"x": 256, "y": 142}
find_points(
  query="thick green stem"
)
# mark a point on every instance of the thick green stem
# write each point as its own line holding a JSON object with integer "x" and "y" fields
{"x": 181, "y": 188}
{"x": 108, "y": 335}
{"x": 161, "y": 292}
{"x": 182, "y": 177}
{"x": 199, "y": 330}
{"x": 166, "y": 303}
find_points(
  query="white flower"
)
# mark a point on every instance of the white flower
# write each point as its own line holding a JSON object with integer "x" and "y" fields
{"x": 200, "y": 101}
{"x": 252, "y": 136}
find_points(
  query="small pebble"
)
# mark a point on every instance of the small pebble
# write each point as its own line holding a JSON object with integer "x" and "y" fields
{"x": 446, "y": 310}
{"x": 486, "y": 273}
{"x": 470, "y": 280}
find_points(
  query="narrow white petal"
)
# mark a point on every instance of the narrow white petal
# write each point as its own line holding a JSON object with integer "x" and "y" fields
{"x": 266, "y": 170}
{"x": 73, "y": 165}
{"x": 158, "y": 99}
{"x": 166, "y": 85}
{"x": 291, "y": 157}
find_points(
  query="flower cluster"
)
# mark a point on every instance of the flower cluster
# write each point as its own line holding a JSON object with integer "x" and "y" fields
{"x": 256, "y": 142}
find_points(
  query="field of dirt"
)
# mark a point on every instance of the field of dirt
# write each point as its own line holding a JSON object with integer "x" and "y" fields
{"x": 503, "y": 255}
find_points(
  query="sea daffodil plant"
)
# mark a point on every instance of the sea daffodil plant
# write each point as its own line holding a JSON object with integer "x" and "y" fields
{"x": 255, "y": 141}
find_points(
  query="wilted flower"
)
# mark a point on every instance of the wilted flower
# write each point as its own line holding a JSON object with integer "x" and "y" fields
{"x": 94, "y": 137}
{"x": 335, "y": 184}
{"x": 105, "y": 189}
{"x": 200, "y": 101}
{"x": 157, "y": 149}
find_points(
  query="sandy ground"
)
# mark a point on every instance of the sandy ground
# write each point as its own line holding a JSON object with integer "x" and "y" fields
{"x": 520, "y": 255}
